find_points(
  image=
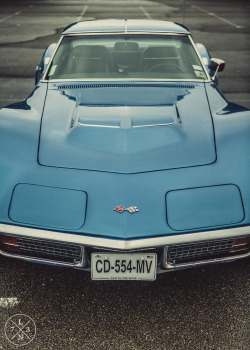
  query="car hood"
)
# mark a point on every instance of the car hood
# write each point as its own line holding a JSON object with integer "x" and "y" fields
{"x": 126, "y": 128}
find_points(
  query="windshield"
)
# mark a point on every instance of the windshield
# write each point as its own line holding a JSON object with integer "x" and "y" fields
{"x": 126, "y": 57}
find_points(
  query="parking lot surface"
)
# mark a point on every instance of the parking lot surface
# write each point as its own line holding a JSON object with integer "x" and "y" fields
{"x": 204, "y": 308}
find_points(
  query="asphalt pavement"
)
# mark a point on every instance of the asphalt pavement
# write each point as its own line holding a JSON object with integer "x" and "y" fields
{"x": 203, "y": 308}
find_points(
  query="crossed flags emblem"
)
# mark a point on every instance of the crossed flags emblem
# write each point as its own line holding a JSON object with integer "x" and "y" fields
{"x": 120, "y": 209}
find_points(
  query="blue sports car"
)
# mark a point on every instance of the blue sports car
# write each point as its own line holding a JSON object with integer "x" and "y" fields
{"x": 126, "y": 160}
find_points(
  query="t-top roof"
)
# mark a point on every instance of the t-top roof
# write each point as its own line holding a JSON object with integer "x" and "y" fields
{"x": 125, "y": 26}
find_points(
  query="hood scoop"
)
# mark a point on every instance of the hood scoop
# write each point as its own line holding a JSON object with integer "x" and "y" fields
{"x": 126, "y": 129}
{"x": 125, "y": 117}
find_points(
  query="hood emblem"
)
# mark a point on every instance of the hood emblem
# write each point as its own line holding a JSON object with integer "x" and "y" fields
{"x": 120, "y": 209}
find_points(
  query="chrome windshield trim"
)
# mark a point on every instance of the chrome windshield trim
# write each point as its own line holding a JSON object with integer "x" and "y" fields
{"x": 107, "y": 80}
{"x": 199, "y": 56}
{"x": 119, "y": 32}
{"x": 50, "y": 61}
{"x": 81, "y": 239}
{"x": 127, "y": 33}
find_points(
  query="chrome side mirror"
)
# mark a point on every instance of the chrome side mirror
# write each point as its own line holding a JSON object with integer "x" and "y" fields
{"x": 216, "y": 65}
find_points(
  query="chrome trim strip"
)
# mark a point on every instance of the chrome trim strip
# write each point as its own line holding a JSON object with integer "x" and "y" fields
{"x": 124, "y": 244}
{"x": 146, "y": 126}
{"x": 50, "y": 60}
{"x": 129, "y": 32}
{"x": 201, "y": 60}
{"x": 107, "y": 80}
{"x": 118, "y": 127}
{"x": 80, "y": 264}
{"x": 99, "y": 126}
{"x": 133, "y": 32}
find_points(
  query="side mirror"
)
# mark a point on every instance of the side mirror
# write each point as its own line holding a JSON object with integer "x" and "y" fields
{"x": 216, "y": 65}
{"x": 40, "y": 69}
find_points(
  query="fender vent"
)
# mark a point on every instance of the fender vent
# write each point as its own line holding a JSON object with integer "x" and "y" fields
{"x": 90, "y": 86}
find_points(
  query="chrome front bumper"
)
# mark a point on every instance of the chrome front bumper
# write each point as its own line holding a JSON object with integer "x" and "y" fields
{"x": 163, "y": 243}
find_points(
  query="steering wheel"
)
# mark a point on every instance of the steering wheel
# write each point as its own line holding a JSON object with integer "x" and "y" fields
{"x": 172, "y": 68}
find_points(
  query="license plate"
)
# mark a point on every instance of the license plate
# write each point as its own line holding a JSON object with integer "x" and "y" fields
{"x": 129, "y": 266}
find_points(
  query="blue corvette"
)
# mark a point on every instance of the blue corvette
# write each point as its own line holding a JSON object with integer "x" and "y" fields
{"x": 126, "y": 160}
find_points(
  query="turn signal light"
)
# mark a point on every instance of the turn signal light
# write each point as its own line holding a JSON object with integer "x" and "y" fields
{"x": 8, "y": 243}
{"x": 241, "y": 243}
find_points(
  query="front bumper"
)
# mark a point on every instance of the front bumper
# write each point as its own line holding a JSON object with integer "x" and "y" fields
{"x": 174, "y": 252}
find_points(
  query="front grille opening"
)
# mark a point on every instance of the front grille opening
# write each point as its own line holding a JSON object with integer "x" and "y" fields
{"x": 193, "y": 252}
{"x": 51, "y": 250}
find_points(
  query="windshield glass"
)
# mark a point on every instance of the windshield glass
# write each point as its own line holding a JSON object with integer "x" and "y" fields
{"x": 126, "y": 57}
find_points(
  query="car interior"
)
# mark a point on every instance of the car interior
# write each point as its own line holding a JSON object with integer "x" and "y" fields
{"x": 87, "y": 58}
{"x": 125, "y": 57}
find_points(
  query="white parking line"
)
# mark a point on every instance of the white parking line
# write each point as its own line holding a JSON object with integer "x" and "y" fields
{"x": 219, "y": 17}
{"x": 8, "y": 302}
{"x": 14, "y": 14}
{"x": 145, "y": 12}
{"x": 83, "y": 12}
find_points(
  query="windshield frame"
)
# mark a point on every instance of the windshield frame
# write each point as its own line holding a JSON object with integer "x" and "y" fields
{"x": 146, "y": 33}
